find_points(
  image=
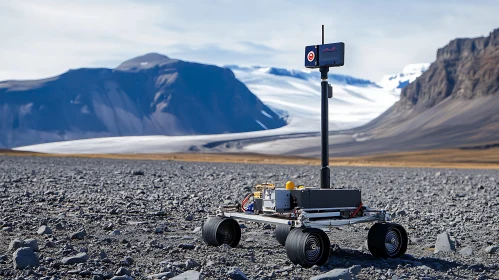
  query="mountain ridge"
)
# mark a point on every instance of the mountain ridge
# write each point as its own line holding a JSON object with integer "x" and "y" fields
{"x": 161, "y": 97}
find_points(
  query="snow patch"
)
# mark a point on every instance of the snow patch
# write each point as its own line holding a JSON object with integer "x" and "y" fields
{"x": 266, "y": 114}
{"x": 409, "y": 74}
{"x": 261, "y": 124}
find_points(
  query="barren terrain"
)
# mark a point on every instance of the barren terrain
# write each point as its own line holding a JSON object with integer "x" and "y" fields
{"x": 95, "y": 218}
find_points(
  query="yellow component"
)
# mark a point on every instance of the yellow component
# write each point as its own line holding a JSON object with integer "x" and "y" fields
{"x": 261, "y": 187}
{"x": 257, "y": 194}
{"x": 300, "y": 187}
{"x": 290, "y": 185}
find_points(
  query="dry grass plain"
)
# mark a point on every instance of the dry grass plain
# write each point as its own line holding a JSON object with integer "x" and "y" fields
{"x": 447, "y": 158}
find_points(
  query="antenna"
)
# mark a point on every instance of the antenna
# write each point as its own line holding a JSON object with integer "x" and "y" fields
{"x": 323, "y": 34}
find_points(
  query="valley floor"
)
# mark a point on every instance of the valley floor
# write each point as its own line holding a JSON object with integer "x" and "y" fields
{"x": 445, "y": 158}
{"x": 110, "y": 217}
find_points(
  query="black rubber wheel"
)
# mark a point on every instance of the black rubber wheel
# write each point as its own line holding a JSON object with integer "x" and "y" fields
{"x": 282, "y": 232}
{"x": 220, "y": 230}
{"x": 387, "y": 240}
{"x": 308, "y": 247}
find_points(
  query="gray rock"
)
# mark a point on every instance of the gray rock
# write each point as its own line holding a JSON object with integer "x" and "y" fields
{"x": 335, "y": 274}
{"x": 138, "y": 173}
{"x": 123, "y": 277}
{"x": 444, "y": 243}
{"x": 187, "y": 246}
{"x": 190, "y": 264}
{"x": 167, "y": 274}
{"x": 355, "y": 269}
{"x": 122, "y": 271}
{"x": 3, "y": 258}
{"x": 24, "y": 257}
{"x": 79, "y": 234}
{"x": 401, "y": 213}
{"x": 32, "y": 243}
{"x": 15, "y": 244}
{"x": 188, "y": 275}
{"x": 492, "y": 249}
{"x": 236, "y": 274}
{"x": 44, "y": 230}
{"x": 189, "y": 217}
{"x": 115, "y": 232}
{"x": 79, "y": 258}
{"x": 466, "y": 251}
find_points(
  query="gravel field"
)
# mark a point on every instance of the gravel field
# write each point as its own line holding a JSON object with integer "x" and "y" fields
{"x": 68, "y": 218}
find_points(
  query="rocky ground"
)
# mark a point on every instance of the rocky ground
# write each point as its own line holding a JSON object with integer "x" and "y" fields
{"x": 67, "y": 218}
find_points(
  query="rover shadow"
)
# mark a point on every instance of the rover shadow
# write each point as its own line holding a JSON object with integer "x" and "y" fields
{"x": 349, "y": 257}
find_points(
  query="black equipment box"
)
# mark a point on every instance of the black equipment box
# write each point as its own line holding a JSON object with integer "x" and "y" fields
{"x": 325, "y": 198}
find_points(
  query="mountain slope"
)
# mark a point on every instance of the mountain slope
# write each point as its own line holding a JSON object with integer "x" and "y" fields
{"x": 454, "y": 103}
{"x": 147, "y": 95}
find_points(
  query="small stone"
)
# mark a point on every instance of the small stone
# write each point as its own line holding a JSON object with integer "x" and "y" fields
{"x": 355, "y": 269}
{"x": 79, "y": 258}
{"x": 335, "y": 274}
{"x": 128, "y": 260}
{"x": 115, "y": 232}
{"x": 267, "y": 226}
{"x": 3, "y": 258}
{"x": 7, "y": 229}
{"x": 15, "y": 244}
{"x": 102, "y": 255}
{"x": 79, "y": 234}
{"x": 190, "y": 264}
{"x": 196, "y": 230}
{"x": 24, "y": 257}
{"x": 122, "y": 271}
{"x": 138, "y": 173}
{"x": 237, "y": 274}
{"x": 466, "y": 251}
{"x": 443, "y": 243}
{"x": 186, "y": 246}
{"x": 401, "y": 213}
{"x": 32, "y": 243}
{"x": 44, "y": 230}
{"x": 109, "y": 226}
{"x": 59, "y": 226}
{"x": 49, "y": 244}
{"x": 123, "y": 277}
{"x": 167, "y": 274}
{"x": 189, "y": 217}
{"x": 492, "y": 249}
{"x": 188, "y": 275}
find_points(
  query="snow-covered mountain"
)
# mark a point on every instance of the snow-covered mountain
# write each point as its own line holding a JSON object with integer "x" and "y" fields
{"x": 296, "y": 94}
{"x": 398, "y": 81}
{"x": 292, "y": 94}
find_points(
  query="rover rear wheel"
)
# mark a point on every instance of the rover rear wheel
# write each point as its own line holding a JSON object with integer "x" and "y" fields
{"x": 308, "y": 246}
{"x": 282, "y": 232}
{"x": 387, "y": 240}
{"x": 221, "y": 230}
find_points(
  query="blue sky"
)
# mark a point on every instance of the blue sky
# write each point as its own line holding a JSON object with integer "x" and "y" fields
{"x": 42, "y": 38}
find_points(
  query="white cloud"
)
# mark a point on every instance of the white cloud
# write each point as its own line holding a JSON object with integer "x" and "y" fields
{"x": 46, "y": 38}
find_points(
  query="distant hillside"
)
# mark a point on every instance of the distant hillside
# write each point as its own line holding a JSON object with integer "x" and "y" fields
{"x": 452, "y": 104}
{"x": 147, "y": 95}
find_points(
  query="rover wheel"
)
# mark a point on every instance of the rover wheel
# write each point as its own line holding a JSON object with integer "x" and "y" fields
{"x": 308, "y": 246}
{"x": 282, "y": 232}
{"x": 220, "y": 230}
{"x": 387, "y": 240}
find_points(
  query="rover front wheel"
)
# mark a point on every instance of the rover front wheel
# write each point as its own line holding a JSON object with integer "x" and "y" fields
{"x": 387, "y": 240}
{"x": 221, "y": 230}
{"x": 308, "y": 247}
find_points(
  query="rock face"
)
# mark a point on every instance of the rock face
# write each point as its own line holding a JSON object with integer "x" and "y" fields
{"x": 147, "y": 95}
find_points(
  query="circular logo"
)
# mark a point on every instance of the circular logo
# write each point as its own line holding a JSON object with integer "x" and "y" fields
{"x": 311, "y": 56}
